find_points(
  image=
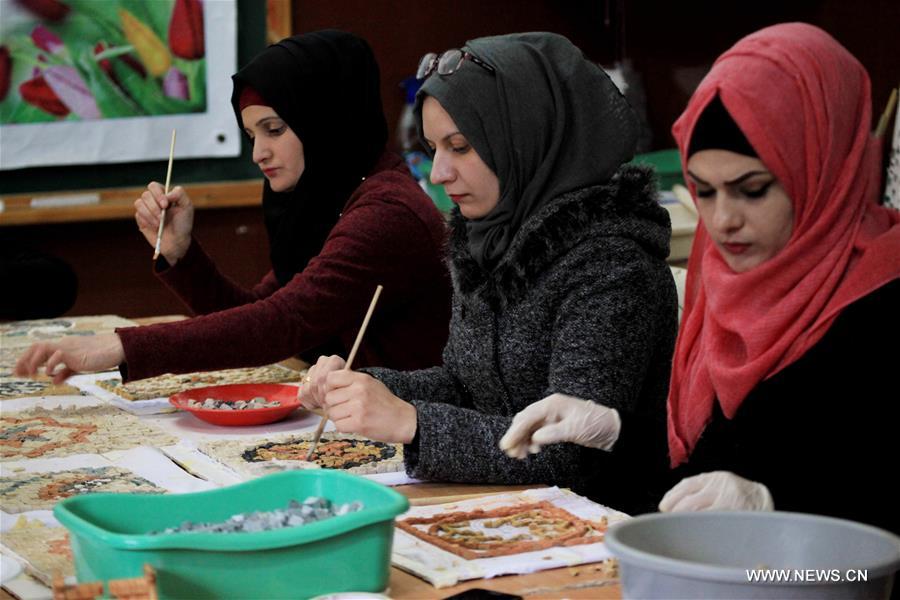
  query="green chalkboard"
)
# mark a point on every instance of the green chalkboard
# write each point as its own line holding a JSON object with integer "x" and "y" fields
{"x": 251, "y": 31}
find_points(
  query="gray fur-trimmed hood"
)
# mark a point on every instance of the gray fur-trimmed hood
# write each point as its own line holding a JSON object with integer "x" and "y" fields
{"x": 626, "y": 206}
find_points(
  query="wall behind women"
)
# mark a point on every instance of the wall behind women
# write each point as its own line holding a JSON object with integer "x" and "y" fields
{"x": 111, "y": 258}
{"x": 671, "y": 44}
{"x": 401, "y": 32}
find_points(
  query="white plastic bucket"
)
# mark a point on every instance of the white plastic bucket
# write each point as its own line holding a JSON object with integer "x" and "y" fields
{"x": 753, "y": 555}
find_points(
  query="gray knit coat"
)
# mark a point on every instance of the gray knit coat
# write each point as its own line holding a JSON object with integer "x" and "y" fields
{"x": 582, "y": 303}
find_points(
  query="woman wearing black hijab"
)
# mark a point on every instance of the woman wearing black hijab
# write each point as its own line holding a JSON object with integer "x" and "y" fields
{"x": 558, "y": 264}
{"x": 342, "y": 213}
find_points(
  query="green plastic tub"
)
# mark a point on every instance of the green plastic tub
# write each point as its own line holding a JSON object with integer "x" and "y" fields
{"x": 352, "y": 552}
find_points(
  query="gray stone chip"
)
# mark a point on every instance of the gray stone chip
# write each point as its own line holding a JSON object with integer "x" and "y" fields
{"x": 310, "y": 510}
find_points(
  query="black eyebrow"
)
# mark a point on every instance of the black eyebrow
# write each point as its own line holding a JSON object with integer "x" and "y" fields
{"x": 745, "y": 176}
{"x": 735, "y": 181}
{"x": 443, "y": 139}
{"x": 697, "y": 178}
{"x": 269, "y": 118}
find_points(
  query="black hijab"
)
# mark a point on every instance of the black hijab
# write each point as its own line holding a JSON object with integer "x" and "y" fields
{"x": 547, "y": 122}
{"x": 325, "y": 86}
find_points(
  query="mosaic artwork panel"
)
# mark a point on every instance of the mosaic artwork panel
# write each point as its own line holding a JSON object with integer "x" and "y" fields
{"x": 25, "y": 333}
{"x": 504, "y": 531}
{"x": 21, "y": 387}
{"x": 348, "y": 452}
{"x": 572, "y": 537}
{"x": 44, "y": 547}
{"x": 8, "y": 357}
{"x": 41, "y": 433}
{"x": 41, "y": 491}
{"x": 166, "y": 385}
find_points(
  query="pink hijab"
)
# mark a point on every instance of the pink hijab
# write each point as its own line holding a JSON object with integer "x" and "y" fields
{"x": 803, "y": 102}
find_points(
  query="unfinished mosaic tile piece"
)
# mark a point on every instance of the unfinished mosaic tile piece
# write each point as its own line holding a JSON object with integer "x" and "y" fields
{"x": 25, "y": 333}
{"x": 503, "y": 531}
{"x": 38, "y": 491}
{"x": 41, "y": 433}
{"x": 16, "y": 336}
{"x": 8, "y": 358}
{"x": 20, "y": 387}
{"x": 166, "y": 385}
{"x": 352, "y": 453}
{"x": 45, "y": 548}
{"x": 503, "y": 534}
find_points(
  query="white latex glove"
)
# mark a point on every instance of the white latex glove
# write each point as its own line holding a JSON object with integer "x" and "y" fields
{"x": 561, "y": 418}
{"x": 718, "y": 490}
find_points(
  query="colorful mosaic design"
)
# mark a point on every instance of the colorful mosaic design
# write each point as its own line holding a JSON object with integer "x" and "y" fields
{"x": 25, "y": 333}
{"x": 348, "y": 452}
{"x": 503, "y": 531}
{"x": 16, "y": 336}
{"x": 20, "y": 387}
{"x": 166, "y": 385}
{"x": 40, "y": 433}
{"x": 40, "y": 491}
{"x": 44, "y": 547}
{"x": 8, "y": 358}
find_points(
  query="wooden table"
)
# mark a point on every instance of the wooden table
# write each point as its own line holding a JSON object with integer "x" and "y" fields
{"x": 583, "y": 581}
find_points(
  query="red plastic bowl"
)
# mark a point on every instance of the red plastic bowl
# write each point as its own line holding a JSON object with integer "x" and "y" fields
{"x": 285, "y": 394}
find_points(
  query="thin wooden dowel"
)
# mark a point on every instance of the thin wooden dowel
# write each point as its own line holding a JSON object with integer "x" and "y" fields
{"x": 162, "y": 216}
{"x": 886, "y": 115}
{"x": 318, "y": 434}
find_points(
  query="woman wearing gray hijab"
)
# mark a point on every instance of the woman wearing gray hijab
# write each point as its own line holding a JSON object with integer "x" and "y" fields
{"x": 560, "y": 283}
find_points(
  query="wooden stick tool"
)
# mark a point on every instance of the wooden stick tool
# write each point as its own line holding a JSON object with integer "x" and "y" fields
{"x": 886, "y": 115}
{"x": 162, "y": 216}
{"x": 359, "y": 336}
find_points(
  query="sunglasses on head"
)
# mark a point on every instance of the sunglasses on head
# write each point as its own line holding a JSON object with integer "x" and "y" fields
{"x": 447, "y": 63}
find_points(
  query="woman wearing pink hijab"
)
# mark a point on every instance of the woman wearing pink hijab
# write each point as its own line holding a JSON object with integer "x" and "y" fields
{"x": 781, "y": 391}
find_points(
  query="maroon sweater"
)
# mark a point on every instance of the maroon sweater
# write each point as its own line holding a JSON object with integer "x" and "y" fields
{"x": 389, "y": 233}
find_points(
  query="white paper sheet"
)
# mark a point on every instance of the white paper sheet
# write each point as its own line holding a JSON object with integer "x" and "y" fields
{"x": 186, "y": 426}
{"x": 25, "y": 587}
{"x": 88, "y": 384}
{"x": 195, "y": 462}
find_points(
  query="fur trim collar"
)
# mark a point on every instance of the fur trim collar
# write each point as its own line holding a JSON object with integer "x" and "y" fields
{"x": 626, "y": 206}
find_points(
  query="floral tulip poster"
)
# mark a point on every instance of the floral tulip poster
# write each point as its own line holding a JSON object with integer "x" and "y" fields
{"x": 102, "y": 81}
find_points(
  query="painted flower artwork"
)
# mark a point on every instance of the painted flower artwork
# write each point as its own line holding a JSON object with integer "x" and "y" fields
{"x": 78, "y": 60}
